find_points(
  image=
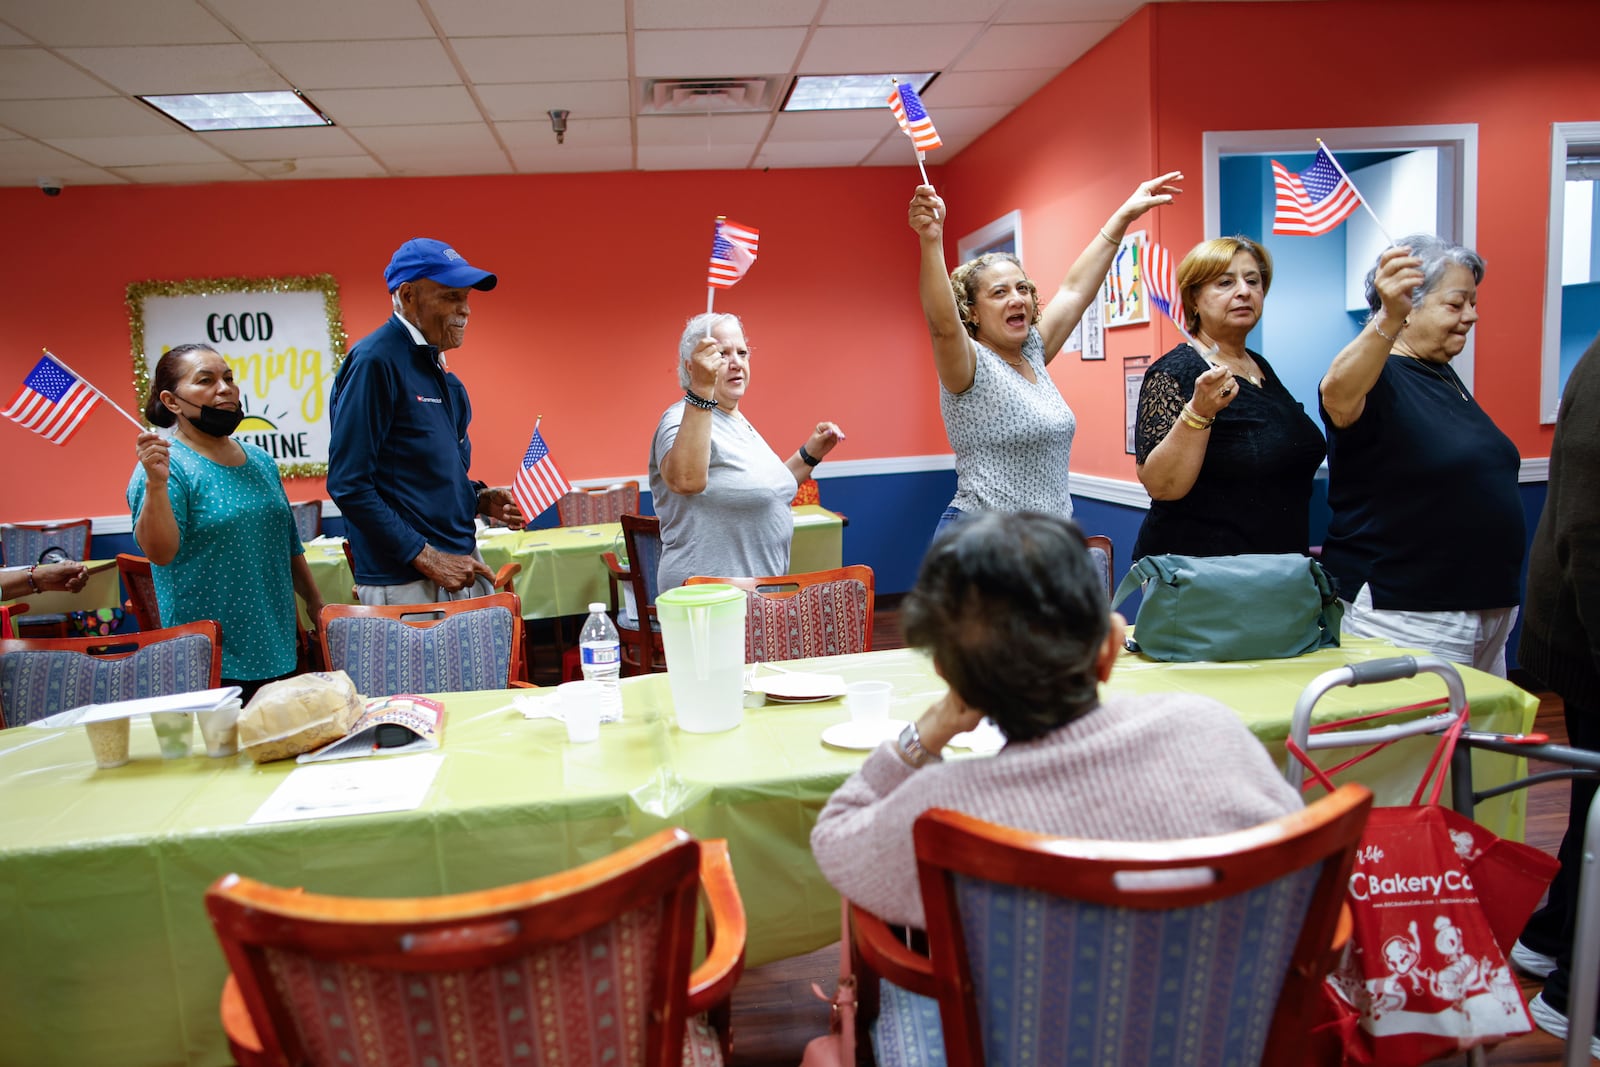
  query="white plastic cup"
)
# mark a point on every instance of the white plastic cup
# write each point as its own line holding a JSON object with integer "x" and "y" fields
{"x": 174, "y": 732}
{"x": 109, "y": 740}
{"x": 220, "y": 728}
{"x": 581, "y": 704}
{"x": 868, "y": 701}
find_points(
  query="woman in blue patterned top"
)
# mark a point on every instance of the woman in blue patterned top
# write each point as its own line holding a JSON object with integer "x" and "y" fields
{"x": 211, "y": 514}
{"x": 1008, "y": 425}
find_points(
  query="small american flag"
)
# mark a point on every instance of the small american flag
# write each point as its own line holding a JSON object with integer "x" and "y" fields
{"x": 733, "y": 249}
{"x": 538, "y": 483}
{"x": 913, "y": 118}
{"x": 1161, "y": 282}
{"x": 52, "y": 401}
{"x": 1315, "y": 200}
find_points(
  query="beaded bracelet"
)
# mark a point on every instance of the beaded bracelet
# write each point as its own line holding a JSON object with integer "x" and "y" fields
{"x": 33, "y": 585}
{"x": 698, "y": 401}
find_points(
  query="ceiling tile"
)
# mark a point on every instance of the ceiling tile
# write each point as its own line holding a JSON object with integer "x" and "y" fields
{"x": 707, "y": 53}
{"x": 422, "y": 164}
{"x": 132, "y": 151}
{"x": 362, "y": 64}
{"x": 417, "y": 140}
{"x": 1075, "y": 11}
{"x": 166, "y": 70}
{"x": 887, "y": 12}
{"x": 88, "y": 22}
{"x": 69, "y": 174}
{"x": 897, "y": 153}
{"x": 591, "y": 100}
{"x": 570, "y": 158}
{"x": 821, "y": 126}
{"x": 722, "y": 14}
{"x": 40, "y": 158}
{"x": 954, "y": 122}
{"x": 883, "y": 49}
{"x": 814, "y": 154}
{"x": 1035, "y": 45}
{"x": 591, "y": 57}
{"x": 9, "y": 37}
{"x": 1003, "y": 88}
{"x": 680, "y": 157}
{"x": 320, "y": 20}
{"x": 493, "y": 18}
{"x": 397, "y": 107}
{"x": 329, "y": 167}
{"x": 250, "y": 145}
{"x": 34, "y": 74}
{"x": 108, "y": 116}
{"x": 715, "y": 131}
{"x": 581, "y": 134}
{"x": 187, "y": 173}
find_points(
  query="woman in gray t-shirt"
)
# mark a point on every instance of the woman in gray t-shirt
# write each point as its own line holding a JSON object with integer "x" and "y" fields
{"x": 721, "y": 493}
{"x": 1008, "y": 425}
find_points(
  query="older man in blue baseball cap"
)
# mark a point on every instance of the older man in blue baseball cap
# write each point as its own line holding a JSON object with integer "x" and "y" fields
{"x": 399, "y": 456}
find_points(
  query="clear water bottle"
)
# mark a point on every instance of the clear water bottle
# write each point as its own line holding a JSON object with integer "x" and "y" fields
{"x": 602, "y": 659}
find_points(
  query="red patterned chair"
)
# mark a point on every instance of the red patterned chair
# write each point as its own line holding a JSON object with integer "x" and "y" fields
{"x": 591, "y": 966}
{"x": 140, "y": 585}
{"x": 587, "y": 507}
{"x": 1140, "y": 954}
{"x": 800, "y": 616}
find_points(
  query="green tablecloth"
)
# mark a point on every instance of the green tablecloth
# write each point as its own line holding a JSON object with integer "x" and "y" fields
{"x": 562, "y": 573}
{"x": 108, "y": 957}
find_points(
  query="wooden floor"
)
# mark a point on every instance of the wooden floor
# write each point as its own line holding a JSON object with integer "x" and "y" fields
{"x": 775, "y": 1012}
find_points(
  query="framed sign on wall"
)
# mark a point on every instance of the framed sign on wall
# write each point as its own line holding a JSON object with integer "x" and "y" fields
{"x": 283, "y": 338}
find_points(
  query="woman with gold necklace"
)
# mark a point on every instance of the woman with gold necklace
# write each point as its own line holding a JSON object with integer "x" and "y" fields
{"x": 1226, "y": 453}
{"x": 1427, "y": 534}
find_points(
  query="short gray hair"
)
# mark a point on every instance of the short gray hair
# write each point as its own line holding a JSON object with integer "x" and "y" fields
{"x": 696, "y": 330}
{"x": 1436, "y": 254}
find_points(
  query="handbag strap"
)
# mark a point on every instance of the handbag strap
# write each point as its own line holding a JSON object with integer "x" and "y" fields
{"x": 1141, "y": 571}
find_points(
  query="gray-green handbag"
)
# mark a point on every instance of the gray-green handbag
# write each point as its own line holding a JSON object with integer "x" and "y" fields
{"x": 1231, "y": 607}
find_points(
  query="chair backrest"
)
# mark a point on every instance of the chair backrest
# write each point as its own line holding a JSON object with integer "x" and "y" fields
{"x": 23, "y": 543}
{"x": 448, "y": 647}
{"x": 591, "y": 965}
{"x": 307, "y": 519}
{"x": 43, "y": 676}
{"x": 1223, "y": 940}
{"x": 799, "y": 616}
{"x": 1100, "y": 554}
{"x": 587, "y": 507}
{"x": 140, "y": 586}
{"x": 642, "y": 536}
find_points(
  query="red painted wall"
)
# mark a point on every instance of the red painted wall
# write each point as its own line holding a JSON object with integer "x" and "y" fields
{"x": 1139, "y": 103}
{"x": 597, "y": 274}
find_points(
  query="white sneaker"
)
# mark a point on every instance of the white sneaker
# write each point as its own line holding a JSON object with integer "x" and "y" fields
{"x": 1554, "y": 1023}
{"x": 1531, "y": 963}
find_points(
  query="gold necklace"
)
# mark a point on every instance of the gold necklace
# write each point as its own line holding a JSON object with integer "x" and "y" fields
{"x": 1437, "y": 373}
{"x": 1215, "y": 359}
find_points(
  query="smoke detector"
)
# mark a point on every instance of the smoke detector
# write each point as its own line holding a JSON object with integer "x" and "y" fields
{"x": 676, "y": 96}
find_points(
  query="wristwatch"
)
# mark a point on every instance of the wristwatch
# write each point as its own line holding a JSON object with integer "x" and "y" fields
{"x": 911, "y": 749}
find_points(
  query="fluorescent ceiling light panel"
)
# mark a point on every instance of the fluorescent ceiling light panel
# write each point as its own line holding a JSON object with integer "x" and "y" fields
{"x": 206, "y": 112}
{"x": 837, "y": 92}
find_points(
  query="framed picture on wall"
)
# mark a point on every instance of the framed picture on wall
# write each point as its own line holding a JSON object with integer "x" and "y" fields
{"x": 1089, "y": 334}
{"x": 1123, "y": 300}
{"x": 282, "y": 337}
{"x": 1004, "y": 234}
{"x": 1133, "y": 368}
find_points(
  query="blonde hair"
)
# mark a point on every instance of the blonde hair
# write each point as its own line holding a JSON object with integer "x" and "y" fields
{"x": 1208, "y": 261}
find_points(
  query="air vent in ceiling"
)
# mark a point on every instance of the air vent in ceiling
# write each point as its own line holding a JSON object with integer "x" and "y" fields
{"x": 676, "y": 96}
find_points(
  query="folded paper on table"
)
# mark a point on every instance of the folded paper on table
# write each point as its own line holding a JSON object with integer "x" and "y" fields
{"x": 200, "y": 700}
{"x": 384, "y": 728}
{"x": 351, "y": 789}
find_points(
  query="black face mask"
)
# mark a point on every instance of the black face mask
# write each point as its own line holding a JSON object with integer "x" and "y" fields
{"x": 214, "y": 422}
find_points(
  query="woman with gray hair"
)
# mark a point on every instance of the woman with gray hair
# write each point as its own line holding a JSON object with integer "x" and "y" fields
{"x": 721, "y": 493}
{"x": 1427, "y": 535}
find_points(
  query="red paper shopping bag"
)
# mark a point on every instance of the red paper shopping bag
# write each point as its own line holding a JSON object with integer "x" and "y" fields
{"x": 1436, "y": 901}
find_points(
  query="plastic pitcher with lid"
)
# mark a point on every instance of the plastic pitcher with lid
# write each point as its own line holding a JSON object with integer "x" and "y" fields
{"x": 702, "y": 630}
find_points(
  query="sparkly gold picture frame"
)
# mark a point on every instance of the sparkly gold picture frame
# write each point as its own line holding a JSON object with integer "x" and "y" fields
{"x": 215, "y": 307}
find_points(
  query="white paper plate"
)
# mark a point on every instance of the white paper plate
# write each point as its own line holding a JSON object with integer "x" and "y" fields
{"x": 862, "y": 736}
{"x": 985, "y": 737}
{"x": 796, "y": 686}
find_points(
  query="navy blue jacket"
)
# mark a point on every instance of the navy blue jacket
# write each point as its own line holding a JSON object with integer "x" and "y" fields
{"x": 399, "y": 456}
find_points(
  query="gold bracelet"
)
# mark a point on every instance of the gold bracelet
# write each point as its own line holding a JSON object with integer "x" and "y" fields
{"x": 31, "y": 583}
{"x": 1194, "y": 420}
{"x": 1107, "y": 236}
{"x": 1379, "y": 331}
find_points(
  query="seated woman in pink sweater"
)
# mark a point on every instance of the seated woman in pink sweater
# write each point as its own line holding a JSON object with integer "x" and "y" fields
{"x": 1013, "y": 613}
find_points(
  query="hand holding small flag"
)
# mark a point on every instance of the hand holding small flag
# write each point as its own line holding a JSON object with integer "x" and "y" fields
{"x": 53, "y": 401}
